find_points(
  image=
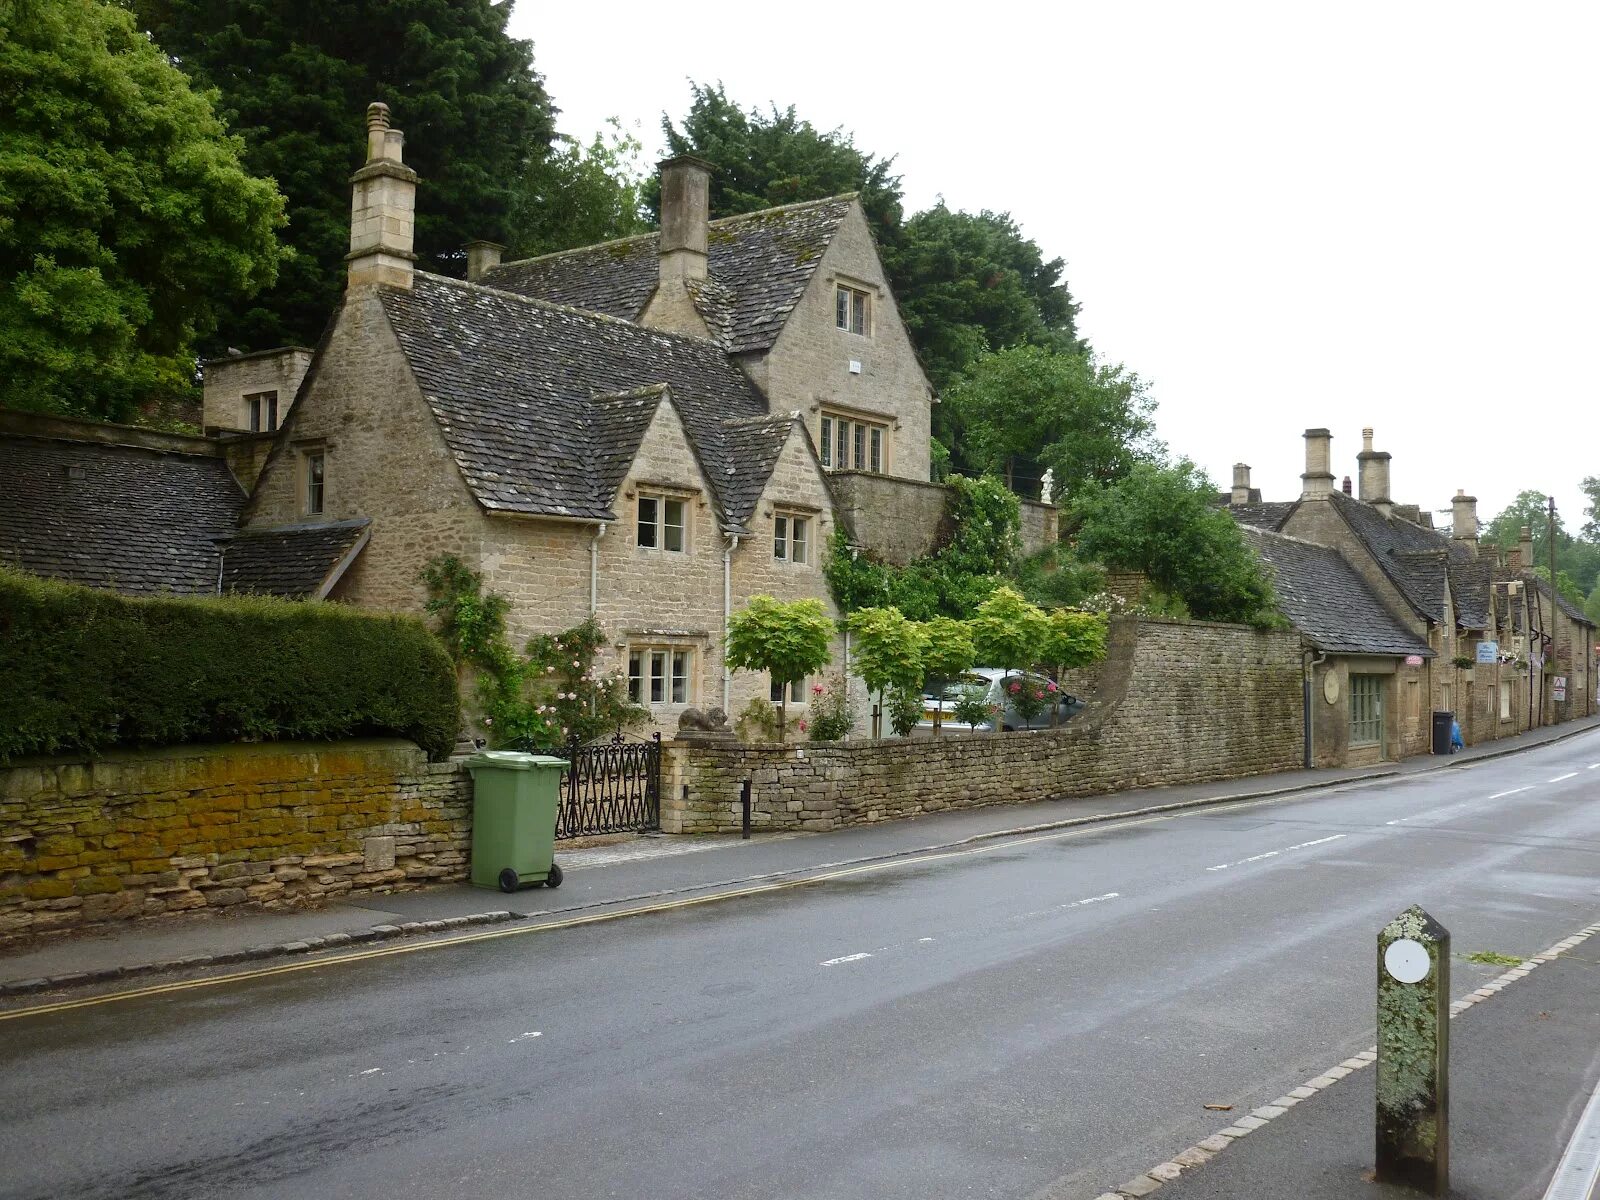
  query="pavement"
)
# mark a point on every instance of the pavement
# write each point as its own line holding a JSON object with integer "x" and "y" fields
{"x": 636, "y": 868}
{"x": 1039, "y": 1016}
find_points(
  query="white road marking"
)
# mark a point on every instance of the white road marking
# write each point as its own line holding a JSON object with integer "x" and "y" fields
{"x": 1274, "y": 853}
{"x": 1568, "y": 775}
{"x": 1594, "y": 766}
{"x": 523, "y": 1037}
{"x": 372, "y": 1071}
{"x": 924, "y": 939}
{"x": 1039, "y": 912}
{"x": 1512, "y": 792}
{"x": 834, "y": 962}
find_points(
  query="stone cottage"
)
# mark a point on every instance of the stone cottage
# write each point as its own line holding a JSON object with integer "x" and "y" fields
{"x": 1415, "y": 604}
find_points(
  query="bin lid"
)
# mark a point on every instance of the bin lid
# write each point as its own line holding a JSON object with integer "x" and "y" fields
{"x": 513, "y": 760}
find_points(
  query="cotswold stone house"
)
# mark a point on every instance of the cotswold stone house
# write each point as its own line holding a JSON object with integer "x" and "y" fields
{"x": 1395, "y": 609}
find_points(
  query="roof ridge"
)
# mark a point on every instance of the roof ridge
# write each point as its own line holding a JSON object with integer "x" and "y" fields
{"x": 1289, "y": 537}
{"x": 763, "y": 419}
{"x": 599, "y": 318}
{"x": 781, "y": 208}
{"x": 638, "y": 393}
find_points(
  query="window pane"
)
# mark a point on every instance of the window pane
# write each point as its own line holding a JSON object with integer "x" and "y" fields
{"x": 861, "y": 446}
{"x": 877, "y": 448}
{"x": 314, "y": 480}
{"x": 272, "y": 411}
{"x": 780, "y": 537}
{"x": 680, "y": 676}
{"x": 775, "y": 691}
{"x": 254, "y": 403}
{"x": 672, "y": 525}
{"x": 797, "y": 548}
{"x": 658, "y": 676}
{"x": 647, "y": 520}
{"x": 826, "y": 447}
{"x": 858, "y": 312}
{"x": 636, "y": 676}
{"x": 842, "y": 459}
{"x": 842, "y": 308}
{"x": 797, "y": 691}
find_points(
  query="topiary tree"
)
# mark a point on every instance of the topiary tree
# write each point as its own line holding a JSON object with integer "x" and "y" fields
{"x": 1074, "y": 639}
{"x": 1008, "y": 632}
{"x": 886, "y": 652}
{"x": 947, "y": 653}
{"x": 786, "y": 640}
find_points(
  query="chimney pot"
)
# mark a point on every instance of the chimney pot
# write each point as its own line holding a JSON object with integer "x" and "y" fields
{"x": 482, "y": 257}
{"x": 1241, "y": 484}
{"x": 1318, "y": 479}
{"x": 1345, "y": 487}
{"x": 1366, "y": 438}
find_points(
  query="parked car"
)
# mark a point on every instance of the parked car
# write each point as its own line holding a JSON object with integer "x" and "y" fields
{"x": 942, "y": 700}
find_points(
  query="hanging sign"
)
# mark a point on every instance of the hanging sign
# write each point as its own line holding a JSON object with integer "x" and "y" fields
{"x": 1413, "y": 660}
{"x": 1488, "y": 652}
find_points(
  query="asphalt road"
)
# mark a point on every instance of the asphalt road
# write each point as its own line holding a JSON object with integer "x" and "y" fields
{"x": 1044, "y": 1016}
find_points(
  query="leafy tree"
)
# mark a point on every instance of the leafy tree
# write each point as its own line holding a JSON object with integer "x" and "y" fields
{"x": 1055, "y": 578}
{"x": 1075, "y": 639}
{"x": 788, "y": 641}
{"x": 971, "y": 282}
{"x": 1528, "y": 509}
{"x": 1088, "y": 423}
{"x": 764, "y": 159}
{"x": 295, "y": 77}
{"x": 1565, "y": 584}
{"x": 1007, "y": 631}
{"x": 128, "y": 226}
{"x": 886, "y": 649}
{"x": 1591, "y": 523}
{"x": 947, "y": 653}
{"x": 1161, "y": 520}
{"x": 1591, "y": 607}
{"x": 581, "y": 195}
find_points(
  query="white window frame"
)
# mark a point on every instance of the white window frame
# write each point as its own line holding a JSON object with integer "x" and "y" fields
{"x": 797, "y": 691}
{"x": 852, "y": 310}
{"x": 659, "y": 524}
{"x": 660, "y": 674}
{"x": 314, "y": 480}
{"x": 791, "y": 537}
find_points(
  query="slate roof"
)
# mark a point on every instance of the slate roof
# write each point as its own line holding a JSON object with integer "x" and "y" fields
{"x": 1326, "y": 599}
{"x": 120, "y": 517}
{"x": 293, "y": 561}
{"x": 759, "y": 264}
{"x": 543, "y": 406}
{"x": 1414, "y": 557}
{"x": 1542, "y": 586}
{"x": 1270, "y": 514}
{"x": 1470, "y": 580}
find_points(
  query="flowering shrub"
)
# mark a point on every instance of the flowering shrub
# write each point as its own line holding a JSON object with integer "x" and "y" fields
{"x": 832, "y": 716}
{"x": 1028, "y": 695}
{"x": 972, "y": 706}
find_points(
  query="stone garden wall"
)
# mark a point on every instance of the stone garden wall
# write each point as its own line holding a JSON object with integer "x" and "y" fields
{"x": 147, "y": 832}
{"x": 1172, "y": 703}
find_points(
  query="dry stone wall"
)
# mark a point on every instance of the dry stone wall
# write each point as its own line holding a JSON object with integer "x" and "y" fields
{"x": 281, "y": 824}
{"x": 1173, "y": 703}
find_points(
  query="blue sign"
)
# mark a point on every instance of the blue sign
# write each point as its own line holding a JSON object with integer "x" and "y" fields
{"x": 1488, "y": 652}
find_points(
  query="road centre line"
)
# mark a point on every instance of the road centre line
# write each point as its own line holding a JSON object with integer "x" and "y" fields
{"x": 848, "y": 958}
{"x": 1512, "y": 792}
{"x": 1568, "y": 775}
{"x": 1275, "y": 853}
{"x": 1091, "y": 828}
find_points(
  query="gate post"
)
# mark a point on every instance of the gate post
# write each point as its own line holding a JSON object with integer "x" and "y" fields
{"x": 1413, "y": 1117}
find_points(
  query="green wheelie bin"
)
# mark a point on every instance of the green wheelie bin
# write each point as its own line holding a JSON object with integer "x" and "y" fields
{"x": 514, "y": 802}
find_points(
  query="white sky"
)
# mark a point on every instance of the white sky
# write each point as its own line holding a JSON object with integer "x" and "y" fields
{"x": 1283, "y": 215}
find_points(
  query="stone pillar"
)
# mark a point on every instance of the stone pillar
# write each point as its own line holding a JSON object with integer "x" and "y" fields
{"x": 1241, "y": 483}
{"x": 482, "y": 257}
{"x": 1374, "y": 473}
{"x": 1464, "y": 520}
{"x": 1413, "y": 1116}
{"x": 1318, "y": 478}
{"x": 685, "y": 218}
{"x": 382, "y": 208}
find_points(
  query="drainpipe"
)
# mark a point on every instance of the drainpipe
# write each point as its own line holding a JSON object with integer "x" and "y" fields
{"x": 1308, "y": 669}
{"x": 594, "y": 569}
{"x": 728, "y": 548}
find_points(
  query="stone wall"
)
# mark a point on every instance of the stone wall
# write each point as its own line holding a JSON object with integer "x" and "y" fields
{"x": 1173, "y": 703}
{"x": 230, "y": 379}
{"x": 900, "y": 519}
{"x": 148, "y": 832}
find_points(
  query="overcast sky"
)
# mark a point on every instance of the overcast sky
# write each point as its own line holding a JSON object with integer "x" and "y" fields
{"x": 1281, "y": 214}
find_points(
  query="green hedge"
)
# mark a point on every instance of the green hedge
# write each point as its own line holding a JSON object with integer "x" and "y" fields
{"x": 88, "y": 670}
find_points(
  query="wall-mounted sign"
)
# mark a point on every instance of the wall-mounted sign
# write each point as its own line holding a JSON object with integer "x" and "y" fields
{"x": 1413, "y": 660}
{"x": 1330, "y": 688}
{"x": 1488, "y": 652}
{"x": 1559, "y": 685}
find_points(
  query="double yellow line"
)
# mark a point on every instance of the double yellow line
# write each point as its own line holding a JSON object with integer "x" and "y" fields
{"x": 465, "y": 939}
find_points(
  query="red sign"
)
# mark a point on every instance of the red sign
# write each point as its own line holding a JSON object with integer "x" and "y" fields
{"x": 1413, "y": 660}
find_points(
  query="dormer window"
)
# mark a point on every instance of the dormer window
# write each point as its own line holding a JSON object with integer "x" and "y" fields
{"x": 662, "y": 523}
{"x": 853, "y": 310}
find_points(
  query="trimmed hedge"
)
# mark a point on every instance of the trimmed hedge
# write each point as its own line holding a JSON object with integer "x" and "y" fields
{"x": 88, "y": 670}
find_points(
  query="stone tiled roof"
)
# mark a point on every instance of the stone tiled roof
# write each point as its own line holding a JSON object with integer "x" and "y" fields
{"x": 1470, "y": 579}
{"x": 1326, "y": 599}
{"x": 292, "y": 561}
{"x": 1542, "y": 586}
{"x": 122, "y": 517}
{"x": 759, "y": 264}
{"x": 540, "y": 403}
{"x": 1410, "y": 555}
{"x": 1270, "y": 514}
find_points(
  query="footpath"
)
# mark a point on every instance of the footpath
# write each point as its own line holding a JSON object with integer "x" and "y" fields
{"x": 636, "y": 870}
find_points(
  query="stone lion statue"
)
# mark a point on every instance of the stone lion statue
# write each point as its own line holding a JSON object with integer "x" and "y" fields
{"x": 712, "y": 720}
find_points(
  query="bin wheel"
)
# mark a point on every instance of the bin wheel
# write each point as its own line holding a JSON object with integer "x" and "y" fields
{"x": 509, "y": 880}
{"x": 555, "y": 877}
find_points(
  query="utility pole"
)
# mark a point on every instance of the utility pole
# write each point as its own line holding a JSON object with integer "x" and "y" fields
{"x": 1550, "y": 654}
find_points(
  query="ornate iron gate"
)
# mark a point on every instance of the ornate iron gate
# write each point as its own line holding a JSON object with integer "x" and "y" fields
{"x": 611, "y": 787}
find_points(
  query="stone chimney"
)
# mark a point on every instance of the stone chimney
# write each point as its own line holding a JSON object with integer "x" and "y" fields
{"x": 482, "y": 257}
{"x": 1241, "y": 484}
{"x": 685, "y": 218}
{"x": 1374, "y": 474}
{"x": 1345, "y": 486}
{"x": 382, "y": 208}
{"x": 1464, "y": 519}
{"x": 1318, "y": 479}
{"x": 1525, "y": 548}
